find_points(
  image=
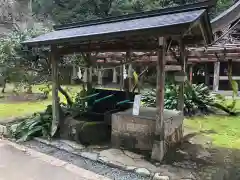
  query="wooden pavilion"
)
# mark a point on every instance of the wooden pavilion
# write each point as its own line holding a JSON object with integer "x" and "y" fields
{"x": 153, "y": 31}
{"x": 213, "y": 59}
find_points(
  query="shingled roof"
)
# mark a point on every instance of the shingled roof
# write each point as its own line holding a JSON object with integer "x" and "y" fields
{"x": 190, "y": 22}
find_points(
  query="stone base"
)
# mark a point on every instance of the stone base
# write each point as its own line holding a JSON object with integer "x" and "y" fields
{"x": 158, "y": 150}
{"x": 137, "y": 133}
{"x": 86, "y": 132}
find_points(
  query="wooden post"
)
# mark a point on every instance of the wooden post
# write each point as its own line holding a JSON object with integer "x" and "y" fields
{"x": 90, "y": 74}
{"x": 158, "y": 150}
{"x": 74, "y": 73}
{"x": 121, "y": 76}
{"x": 85, "y": 75}
{"x": 55, "y": 86}
{"x": 140, "y": 80}
{"x": 129, "y": 71}
{"x": 183, "y": 66}
{"x": 100, "y": 76}
{"x": 190, "y": 73}
{"x": 216, "y": 76}
{"x": 30, "y": 6}
{"x": 206, "y": 75}
{"x": 130, "y": 76}
{"x": 114, "y": 75}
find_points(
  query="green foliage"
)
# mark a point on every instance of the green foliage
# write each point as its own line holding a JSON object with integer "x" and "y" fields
{"x": 81, "y": 102}
{"x": 37, "y": 125}
{"x": 65, "y": 11}
{"x": 17, "y": 64}
{"x": 197, "y": 98}
{"x": 221, "y": 102}
{"x": 221, "y": 6}
{"x": 228, "y": 106}
{"x": 46, "y": 89}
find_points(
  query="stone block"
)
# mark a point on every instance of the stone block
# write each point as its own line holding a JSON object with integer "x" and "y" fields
{"x": 86, "y": 132}
{"x": 71, "y": 127}
{"x": 158, "y": 176}
{"x": 90, "y": 155}
{"x": 143, "y": 171}
{"x": 137, "y": 132}
{"x": 94, "y": 133}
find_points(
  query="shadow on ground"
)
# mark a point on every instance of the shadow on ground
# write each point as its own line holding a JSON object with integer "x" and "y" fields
{"x": 208, "y": 161}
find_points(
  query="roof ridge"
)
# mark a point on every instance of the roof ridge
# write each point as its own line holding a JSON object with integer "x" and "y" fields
{"x": 170, "y": 10}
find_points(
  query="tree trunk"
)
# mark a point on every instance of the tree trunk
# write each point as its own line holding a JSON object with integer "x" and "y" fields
{"x": 140, "y": 75}
{"x": 66, "y": 95}
{"x": 4, "y": 85}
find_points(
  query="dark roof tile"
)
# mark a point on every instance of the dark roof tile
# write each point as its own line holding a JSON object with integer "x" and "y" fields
{"x": 146, "y": 23}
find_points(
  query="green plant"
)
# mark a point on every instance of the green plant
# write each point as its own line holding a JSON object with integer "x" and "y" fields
{"x": 37, "y": 125}
{"x": 221, "y": 102}
{"x": 197, "y": 98}
{"x": 46, "y": 89}
{"x": 81, "y": 102}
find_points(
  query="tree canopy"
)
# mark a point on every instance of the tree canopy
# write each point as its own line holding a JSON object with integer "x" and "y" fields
{"x": 65, "y": 11}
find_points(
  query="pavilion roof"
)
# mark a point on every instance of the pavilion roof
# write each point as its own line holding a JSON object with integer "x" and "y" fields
{"x": 136, "y": 31}
{"x": 227, "y": 17}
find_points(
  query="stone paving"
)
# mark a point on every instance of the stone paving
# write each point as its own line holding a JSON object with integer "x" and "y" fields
{"x": 196, "y": 161}
{"x": 18, "y": 162}
{"x": 129, "y": 161}
{"x": 94, "y": 166}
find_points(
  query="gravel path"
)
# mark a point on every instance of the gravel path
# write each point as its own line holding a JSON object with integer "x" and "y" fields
{"x": 112, "y": 173}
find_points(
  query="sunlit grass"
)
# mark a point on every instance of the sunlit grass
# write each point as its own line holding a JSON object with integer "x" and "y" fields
{"x": 17, "y": 109}
{"x": 225, "y": 130}
{"x": 20, "y": 109}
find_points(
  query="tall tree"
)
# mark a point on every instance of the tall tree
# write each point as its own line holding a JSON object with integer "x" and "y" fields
{"x": 65, "y": 11}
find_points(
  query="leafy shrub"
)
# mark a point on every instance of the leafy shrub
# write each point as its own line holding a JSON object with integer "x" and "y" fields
{"x": 37, "y": 125}
{"x": 197, "y": 98}
{"x": 80, "y": 103}
{"x": 46, "y": 89}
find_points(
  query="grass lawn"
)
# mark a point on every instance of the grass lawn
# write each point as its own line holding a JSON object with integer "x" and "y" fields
{"x": 223, "y": 130}
{"x": 8, "y": 110}
{"x": 21, "y": 109}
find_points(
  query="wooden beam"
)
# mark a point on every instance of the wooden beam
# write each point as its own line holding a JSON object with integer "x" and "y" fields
{"x": 169, "y": 58}
{"x": 216, "y": 76}
{"x": 55, "y": 85}
{"x": 225, "y": 78}
{"x": 191, "y": 54}
{"x": 158, "y": 150}
{"x": 106, "y": 47}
